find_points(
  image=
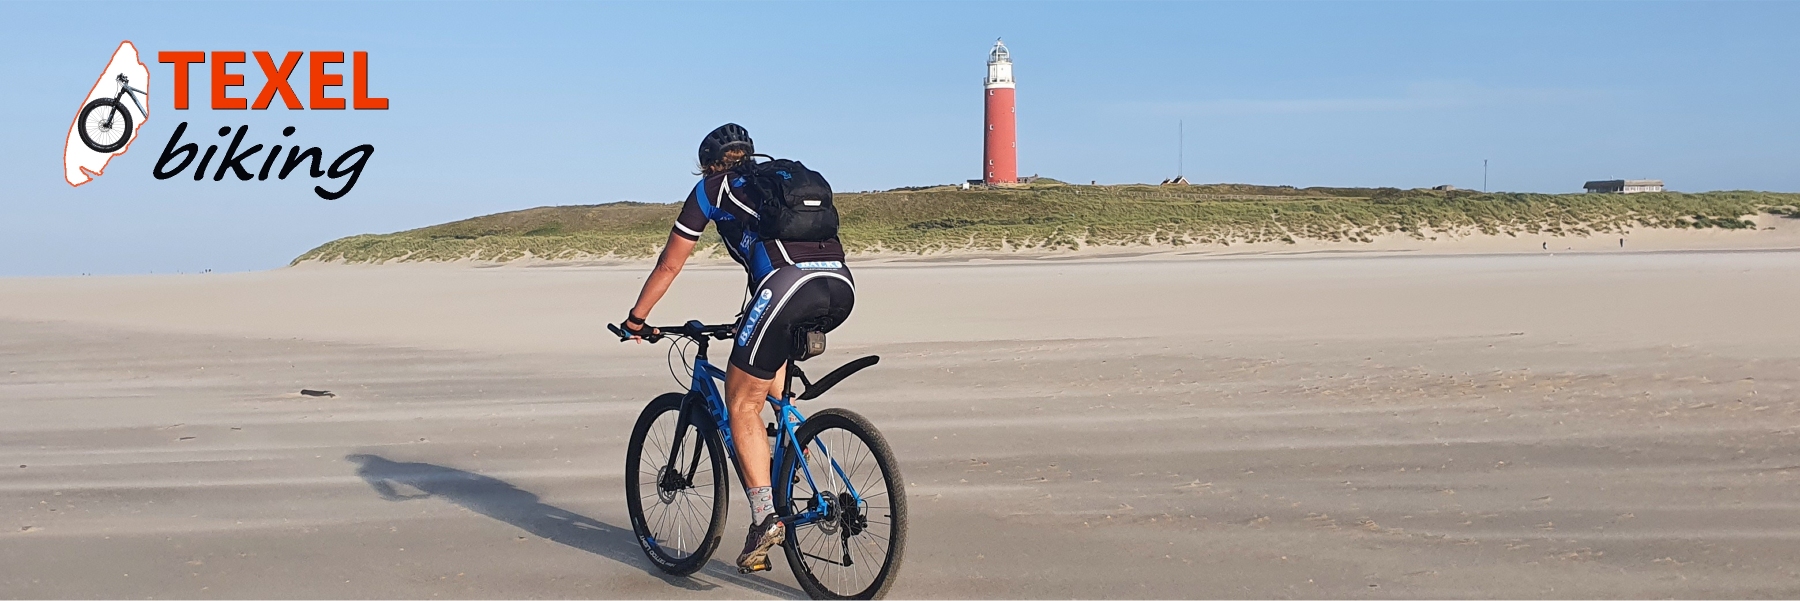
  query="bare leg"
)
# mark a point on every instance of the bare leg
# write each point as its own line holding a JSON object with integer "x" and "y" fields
{"x": 745, "y": 397}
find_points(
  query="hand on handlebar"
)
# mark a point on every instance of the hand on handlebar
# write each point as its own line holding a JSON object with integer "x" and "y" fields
{"x": 625, "y": 332}
{"x": 692, "y": 330}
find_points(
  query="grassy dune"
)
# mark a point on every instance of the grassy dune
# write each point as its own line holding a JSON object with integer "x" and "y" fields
{"x": 1052, "y": 216}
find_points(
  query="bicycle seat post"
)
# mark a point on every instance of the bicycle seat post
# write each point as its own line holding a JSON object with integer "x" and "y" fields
{"x": 787, "y": 387}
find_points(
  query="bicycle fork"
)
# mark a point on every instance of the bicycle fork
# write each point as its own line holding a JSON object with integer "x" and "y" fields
{"x": 124, "y": 87}
{"x": 685, "y": 479}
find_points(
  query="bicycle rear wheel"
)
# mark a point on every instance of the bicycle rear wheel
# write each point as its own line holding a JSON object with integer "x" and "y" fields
{"x": 855, "y": 551}
{"x": 105, "y": 125}
{"x": 677, "y": 504}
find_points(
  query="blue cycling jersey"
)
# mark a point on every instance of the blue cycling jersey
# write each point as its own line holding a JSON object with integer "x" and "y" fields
{"x": 724, "y": 199}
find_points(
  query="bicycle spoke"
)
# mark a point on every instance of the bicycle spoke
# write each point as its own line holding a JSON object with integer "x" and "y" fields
{"x": 883, "y": 538}
{"x": 859, "y": 561}
{"x": 819, "y": 542}
{"x": 875, "y": 473}
{"x": 856, "y": 459}
{"x": 662, "y": 518}
{"x": 670, "y": 515}
{"x": 678, "y": 513}
{"x": 681, "y": 527}
{"x": 691, "y": 528}
{"x": 862, "y": 564}
{"x": 661, "y": 453}
{"x": 664, "y": 440}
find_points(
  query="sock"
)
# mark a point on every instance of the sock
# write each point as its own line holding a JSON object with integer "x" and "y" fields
{"x": 762, "y": 503}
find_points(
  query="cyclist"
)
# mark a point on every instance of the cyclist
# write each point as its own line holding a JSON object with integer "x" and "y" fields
{"x": 794, "y": 286}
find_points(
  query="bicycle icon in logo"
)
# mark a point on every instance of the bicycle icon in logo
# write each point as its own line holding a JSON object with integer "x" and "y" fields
{"x": 105, "y": 125}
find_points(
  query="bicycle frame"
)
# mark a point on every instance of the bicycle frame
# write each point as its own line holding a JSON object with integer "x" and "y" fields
{"x": 125, "y": 89}
{"x": 708, "y": 384}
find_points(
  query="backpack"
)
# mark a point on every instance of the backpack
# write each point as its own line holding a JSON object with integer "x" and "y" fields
{"x": 795, "y": 202}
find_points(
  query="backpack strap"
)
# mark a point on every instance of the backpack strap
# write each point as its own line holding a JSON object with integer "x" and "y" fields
{"x": 755, "y": 256}
{"x": 725, "y": 188}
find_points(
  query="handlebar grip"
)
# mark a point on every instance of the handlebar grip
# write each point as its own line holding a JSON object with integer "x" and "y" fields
{"x": 651, "y": 336}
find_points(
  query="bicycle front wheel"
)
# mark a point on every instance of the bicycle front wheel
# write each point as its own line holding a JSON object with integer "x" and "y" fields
{"x": 675, "y": 485}
{"x": 105, "y": 125}
{"x": 850, "y": 475}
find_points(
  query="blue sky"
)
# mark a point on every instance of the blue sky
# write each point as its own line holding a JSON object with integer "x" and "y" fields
{"x": 506, "y": 106}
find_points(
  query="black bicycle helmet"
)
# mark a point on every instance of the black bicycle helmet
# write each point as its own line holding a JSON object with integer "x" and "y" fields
{"x": 729, "y": 135}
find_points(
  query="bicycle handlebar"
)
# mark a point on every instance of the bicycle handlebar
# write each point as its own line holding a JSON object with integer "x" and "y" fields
{"x": 692, "y": 329}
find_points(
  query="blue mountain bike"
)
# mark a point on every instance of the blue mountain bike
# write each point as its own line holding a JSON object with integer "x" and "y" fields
{"x": 837, "y": 485}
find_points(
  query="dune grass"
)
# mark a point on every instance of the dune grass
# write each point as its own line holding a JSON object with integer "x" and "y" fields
{"x": 1050, "y": 215}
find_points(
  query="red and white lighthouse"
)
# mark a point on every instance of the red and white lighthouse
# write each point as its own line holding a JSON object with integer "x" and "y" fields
{"x": 1000, "y": 156}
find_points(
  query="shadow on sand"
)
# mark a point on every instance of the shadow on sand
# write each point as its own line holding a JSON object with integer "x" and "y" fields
{"x": 502, "y": 501}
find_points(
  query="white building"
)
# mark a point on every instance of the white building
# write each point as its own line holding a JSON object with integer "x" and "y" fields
{"x": 1624, "y": 186}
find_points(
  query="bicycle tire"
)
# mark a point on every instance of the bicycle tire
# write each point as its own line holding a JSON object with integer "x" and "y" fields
{"x": 81, "y": 125}
{"x": 894, "y": 492}
{"x": 700, "y": 431}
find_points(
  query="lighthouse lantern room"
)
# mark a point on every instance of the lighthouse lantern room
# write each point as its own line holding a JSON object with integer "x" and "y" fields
{"x": 1000, "y": 156}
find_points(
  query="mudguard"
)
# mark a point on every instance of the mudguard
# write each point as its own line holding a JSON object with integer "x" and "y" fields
{"x": 814, "y": 389}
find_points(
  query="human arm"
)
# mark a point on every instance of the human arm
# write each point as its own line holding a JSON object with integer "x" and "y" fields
{"x": 668, "y": 265}
{"x": 689, "y": 223}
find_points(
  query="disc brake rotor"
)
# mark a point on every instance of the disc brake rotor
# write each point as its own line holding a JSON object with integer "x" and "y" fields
{"x": 668, "y": 483}
{"x": 827, "y": 523}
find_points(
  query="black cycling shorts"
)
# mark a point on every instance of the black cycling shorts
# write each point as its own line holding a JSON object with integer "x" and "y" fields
{"x": 809, "y": 296}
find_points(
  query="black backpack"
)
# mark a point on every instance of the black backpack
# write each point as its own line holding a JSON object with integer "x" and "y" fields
{"x": 796, "y": 202}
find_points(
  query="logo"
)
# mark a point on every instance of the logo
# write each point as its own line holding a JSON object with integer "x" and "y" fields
{"x": 817, "y": 265}
{"x": 117, "y": 107}
{"x": 105, "y": 124}
{"x": 348, "y": 166}
{"x": 756, "y": 313}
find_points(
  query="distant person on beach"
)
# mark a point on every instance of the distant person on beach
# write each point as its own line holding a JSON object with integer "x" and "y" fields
{"x": 795, "y": 286}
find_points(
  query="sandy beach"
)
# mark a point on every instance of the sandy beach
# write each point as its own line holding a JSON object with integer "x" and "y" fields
{"x": 1419, "y": 423}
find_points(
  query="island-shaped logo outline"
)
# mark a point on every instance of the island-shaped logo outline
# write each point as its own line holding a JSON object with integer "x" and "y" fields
{"x": 82, "y": 164}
